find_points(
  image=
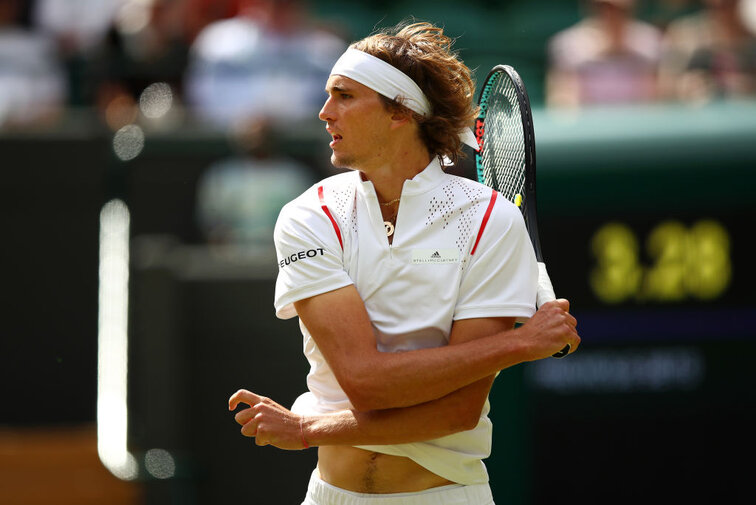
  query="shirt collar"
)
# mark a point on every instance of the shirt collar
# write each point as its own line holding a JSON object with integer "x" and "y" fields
{"x": 425, "y": 181}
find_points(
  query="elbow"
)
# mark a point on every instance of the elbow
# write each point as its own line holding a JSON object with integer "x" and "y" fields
{"x": 353, "y": 381}
{"x": 359, "y": 400}
{"x": 466, "y": 415}
{"x": 466, "y": 419}
{"x": 361, "y": 404}
{"x": 365, "y": 401}
{"x": 470, "y": 404}
{"x": 471, "y": 420}
{"x": 363, "y": 393}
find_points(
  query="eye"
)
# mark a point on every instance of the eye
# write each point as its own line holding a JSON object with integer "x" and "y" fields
{"x": 345, "y": 95}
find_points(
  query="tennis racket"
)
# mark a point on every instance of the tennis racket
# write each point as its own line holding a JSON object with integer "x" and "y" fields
{"x": 506, "y": 158}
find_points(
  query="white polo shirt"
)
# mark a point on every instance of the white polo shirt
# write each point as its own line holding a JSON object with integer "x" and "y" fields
{"x": 459, "y": 251}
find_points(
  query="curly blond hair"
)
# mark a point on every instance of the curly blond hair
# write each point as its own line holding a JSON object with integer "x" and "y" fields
{"x": 423, "y": 52}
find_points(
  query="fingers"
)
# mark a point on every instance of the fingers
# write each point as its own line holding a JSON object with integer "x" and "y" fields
{"x": 244, "y": 416}
{"x": 558, "y": 312}
{"x": 243, "y": 396}
{"x": 249, "y": 418}
{"x": 575, "y": 343}
{"x": 564, "y": 306}
{"x": 563, "y": 303}
{"x": 249, "y": 429}
{"x": 570, "y": 320}
{"x": 574, "y": 337}
{"x": 558, "y": 327}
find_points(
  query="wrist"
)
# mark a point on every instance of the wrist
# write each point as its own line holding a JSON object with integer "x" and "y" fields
{"x": 334, "y": 428}
{"x": 305, "y": 443}
{"x": 521, "y": 345}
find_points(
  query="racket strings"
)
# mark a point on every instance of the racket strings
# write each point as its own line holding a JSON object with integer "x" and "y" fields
{"x": 503, "y": 153}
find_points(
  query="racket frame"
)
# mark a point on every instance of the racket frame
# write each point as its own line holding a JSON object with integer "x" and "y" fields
{"x": 526, "y": 116}
{"x": 529, "y": 186}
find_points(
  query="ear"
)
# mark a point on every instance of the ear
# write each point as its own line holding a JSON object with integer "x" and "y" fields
{"x": 400, "y": 118}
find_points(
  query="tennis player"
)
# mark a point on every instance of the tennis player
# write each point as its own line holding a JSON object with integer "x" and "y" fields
{"x": 407, "y": 283}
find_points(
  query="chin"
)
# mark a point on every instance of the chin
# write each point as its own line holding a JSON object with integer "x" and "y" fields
{"x": 341, "y": 161}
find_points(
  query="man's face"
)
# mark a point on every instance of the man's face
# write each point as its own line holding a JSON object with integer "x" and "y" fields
{"x": 358, "y": 122}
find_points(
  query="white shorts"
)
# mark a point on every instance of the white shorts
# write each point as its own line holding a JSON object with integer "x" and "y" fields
{"x": 322, "y": 493}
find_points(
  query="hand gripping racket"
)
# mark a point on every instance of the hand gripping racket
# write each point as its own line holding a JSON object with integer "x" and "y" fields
{"x": 506, "y": 158}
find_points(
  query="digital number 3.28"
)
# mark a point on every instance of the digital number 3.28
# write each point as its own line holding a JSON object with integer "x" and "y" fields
{"x": 684, "y": 262}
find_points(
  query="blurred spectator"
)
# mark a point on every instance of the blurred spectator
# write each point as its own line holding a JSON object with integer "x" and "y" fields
{"x": 269, "y": 61}
{"x": 239, "y": 198}
{"x": 32, "y": 83}
{"x": 607, "y": 58}
{"x": 78, "y": 25}
{"x": 200, "y": 13}
{"x": 146, "y": 45}
{"x": 663, "y": 12}
{"x": 709, "y": 54}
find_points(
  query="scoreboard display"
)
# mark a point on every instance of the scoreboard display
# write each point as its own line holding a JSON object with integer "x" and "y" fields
{"x": 653, "y": 215}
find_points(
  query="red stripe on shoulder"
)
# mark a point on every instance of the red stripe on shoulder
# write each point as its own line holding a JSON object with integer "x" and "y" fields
{"x": 330, "y": 216}
{"x": 483, "y": 223}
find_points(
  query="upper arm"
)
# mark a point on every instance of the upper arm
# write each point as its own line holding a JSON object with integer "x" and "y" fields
{"x": 339, "y": 324}
{"x": 464, "y": 330}
{"x": 470, "y": 399}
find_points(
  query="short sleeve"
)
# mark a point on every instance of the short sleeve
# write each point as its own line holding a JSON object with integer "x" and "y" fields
{"x": 501, "y": 278}
{"x": 309, "y": 253}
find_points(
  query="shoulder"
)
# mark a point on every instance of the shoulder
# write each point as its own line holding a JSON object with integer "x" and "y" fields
{"x": 308, "y": 208}
{"x": 507, "y": 210}
{"x": 473, "y": 190}
{"x": 324, "y": 192}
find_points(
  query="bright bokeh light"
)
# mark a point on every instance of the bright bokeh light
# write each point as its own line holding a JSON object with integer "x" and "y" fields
{"x": 160, "y": 463}
{"x": 133, "y": 16}
{"x": 128, "y": 142}
{"x": 112, "y": 342}
{"x": 156, "y": 100}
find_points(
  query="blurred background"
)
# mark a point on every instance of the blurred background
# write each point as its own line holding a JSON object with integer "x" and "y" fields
{"x": 146, "y": 147}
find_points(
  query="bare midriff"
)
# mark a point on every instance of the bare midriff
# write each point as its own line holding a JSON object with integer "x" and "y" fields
{"x": 362, "y": 471}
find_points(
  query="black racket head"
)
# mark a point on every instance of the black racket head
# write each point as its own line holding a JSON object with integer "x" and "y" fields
{"x": 506, "y": 159}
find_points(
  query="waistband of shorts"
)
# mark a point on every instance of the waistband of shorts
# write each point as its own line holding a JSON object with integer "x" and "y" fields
{"x": 320, "y": 492}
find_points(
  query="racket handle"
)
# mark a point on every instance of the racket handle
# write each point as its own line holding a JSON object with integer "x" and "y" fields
{"x": 546, "y": 294}
{"x": 545, "y": 291}
{"x": 564, "y": 352}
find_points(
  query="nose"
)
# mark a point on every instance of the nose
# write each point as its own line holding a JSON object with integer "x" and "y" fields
{"x": 326, "y": 112}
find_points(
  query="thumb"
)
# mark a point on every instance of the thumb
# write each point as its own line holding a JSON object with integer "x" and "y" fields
{"x": 564, "y": 304}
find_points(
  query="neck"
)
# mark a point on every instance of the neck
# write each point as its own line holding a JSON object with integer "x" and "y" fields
{"x": 388, "y": 178}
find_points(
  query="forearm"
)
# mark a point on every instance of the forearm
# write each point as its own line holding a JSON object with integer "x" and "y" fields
{"x": 415, "y": 377}
{"x": 453, "y": 413}
{"x": 272, "y": 424}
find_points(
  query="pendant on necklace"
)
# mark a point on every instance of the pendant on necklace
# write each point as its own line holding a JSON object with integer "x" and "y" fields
{"x": 389, "y": 228}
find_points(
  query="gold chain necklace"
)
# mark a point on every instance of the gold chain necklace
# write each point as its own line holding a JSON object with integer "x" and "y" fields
{"x": 386, "y": 204}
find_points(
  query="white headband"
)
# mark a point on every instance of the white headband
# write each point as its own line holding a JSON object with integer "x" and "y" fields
{"x": 390, "y": 82}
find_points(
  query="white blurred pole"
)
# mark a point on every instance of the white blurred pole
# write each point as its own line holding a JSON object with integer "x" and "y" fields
{"x": 112, "y": 341}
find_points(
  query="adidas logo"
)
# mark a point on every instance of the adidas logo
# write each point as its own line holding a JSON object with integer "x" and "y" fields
{"x": 435, "y": 256}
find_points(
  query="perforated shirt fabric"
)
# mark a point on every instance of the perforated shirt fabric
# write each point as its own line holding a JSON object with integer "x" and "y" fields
{"x": 413, "y": 289}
